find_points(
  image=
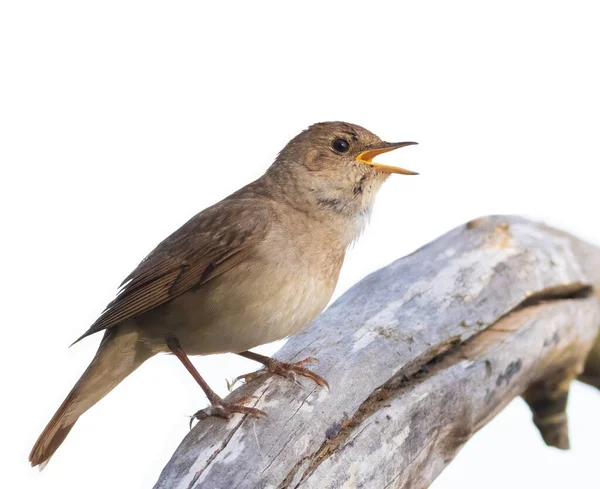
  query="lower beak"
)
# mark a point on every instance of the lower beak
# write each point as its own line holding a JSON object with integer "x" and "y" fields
{"x": 366, "y": 157}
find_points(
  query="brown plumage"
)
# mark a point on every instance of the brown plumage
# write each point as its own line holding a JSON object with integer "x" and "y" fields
{"x": 201, "y": 249}
{"x": 256, "y": 267}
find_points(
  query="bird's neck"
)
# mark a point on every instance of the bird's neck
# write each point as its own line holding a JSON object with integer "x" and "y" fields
{"x": 345, "y": 207}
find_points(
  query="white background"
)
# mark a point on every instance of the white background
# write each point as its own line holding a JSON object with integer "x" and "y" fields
{"x": 120, "y": 120}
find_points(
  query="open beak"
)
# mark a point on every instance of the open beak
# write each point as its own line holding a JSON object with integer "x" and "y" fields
{"x": 366, "y": 157}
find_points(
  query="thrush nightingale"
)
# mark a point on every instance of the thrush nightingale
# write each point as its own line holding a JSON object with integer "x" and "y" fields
{"x": 256, "y": 267}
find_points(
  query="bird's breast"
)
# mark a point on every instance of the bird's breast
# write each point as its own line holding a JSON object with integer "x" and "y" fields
{"x": 274, "y": 293}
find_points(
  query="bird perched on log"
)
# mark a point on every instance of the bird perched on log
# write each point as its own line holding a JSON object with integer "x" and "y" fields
{"x": 256, "y": 267}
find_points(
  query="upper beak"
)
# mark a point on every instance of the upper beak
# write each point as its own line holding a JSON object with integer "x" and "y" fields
{"x": 367, "y": 158}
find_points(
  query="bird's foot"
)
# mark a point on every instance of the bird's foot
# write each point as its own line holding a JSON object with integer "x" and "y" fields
{"x": 287, "y": 370}
{"x": 224, "y": 409}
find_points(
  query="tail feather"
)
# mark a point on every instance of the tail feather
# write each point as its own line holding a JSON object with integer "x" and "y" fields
{"x": 119, "y": 354}
{"x": 53, "y": 435}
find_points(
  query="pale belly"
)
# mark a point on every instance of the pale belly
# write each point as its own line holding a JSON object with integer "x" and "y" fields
{"x": 252, "y": 304}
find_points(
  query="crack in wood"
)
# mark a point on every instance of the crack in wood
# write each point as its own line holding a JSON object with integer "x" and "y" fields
{"x": 221, "y": 448}
{"x": 216, "y": 452}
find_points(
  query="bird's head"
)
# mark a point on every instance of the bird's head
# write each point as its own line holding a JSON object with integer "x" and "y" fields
{"x": 338, "y": 148}
{"x": 330, "y": 165}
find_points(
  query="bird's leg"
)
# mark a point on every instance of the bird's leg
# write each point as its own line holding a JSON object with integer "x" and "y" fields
{"x": 287, "y": 370}
{"x": 218, "y": 406}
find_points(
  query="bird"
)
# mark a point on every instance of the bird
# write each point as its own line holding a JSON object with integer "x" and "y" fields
{"x": 256, "y": 267}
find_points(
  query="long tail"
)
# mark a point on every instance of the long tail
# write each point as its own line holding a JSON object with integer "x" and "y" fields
{"x": 119, "y": 354}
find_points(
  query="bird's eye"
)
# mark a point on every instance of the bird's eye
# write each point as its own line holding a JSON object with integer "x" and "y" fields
{"x": 340, "y": 145}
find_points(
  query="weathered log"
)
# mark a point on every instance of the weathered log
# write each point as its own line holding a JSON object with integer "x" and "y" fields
{"x": 420, "y": 355}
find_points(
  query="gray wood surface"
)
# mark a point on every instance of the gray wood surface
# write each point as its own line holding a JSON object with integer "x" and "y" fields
{"x": 419, "y": 356}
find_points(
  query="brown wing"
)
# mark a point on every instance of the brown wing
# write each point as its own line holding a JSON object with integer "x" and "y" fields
{"x": 220, "y": 236}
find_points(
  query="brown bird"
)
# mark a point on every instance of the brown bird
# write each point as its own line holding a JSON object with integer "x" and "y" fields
{"x": 256, "y": 267}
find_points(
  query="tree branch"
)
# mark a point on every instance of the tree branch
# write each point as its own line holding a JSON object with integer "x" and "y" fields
{"x": 420, "y": 355}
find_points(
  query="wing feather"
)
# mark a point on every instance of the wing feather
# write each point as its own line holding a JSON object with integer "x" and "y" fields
{"x": 209, "y": 244}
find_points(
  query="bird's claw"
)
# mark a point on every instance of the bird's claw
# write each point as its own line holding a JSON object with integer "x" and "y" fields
{"x": 224, "y": 409}
{"x": 291, "y": 370}
{"x": 287, "y": 370}
{"x": 246, "y": 378}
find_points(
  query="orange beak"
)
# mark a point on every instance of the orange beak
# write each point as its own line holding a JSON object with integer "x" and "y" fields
{"x": 366, "y": 157}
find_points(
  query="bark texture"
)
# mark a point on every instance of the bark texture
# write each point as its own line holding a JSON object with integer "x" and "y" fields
{"x": 419, "y": 355}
